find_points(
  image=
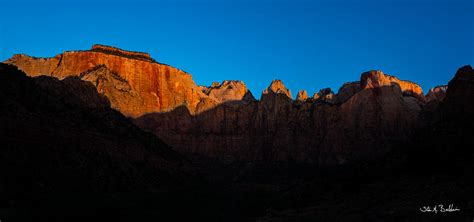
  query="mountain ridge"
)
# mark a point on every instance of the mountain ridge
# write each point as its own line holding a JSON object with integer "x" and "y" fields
{"x": 123, "y": 53}
{"x": 226, "y": 121}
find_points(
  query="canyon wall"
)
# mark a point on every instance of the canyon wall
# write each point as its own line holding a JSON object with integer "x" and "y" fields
{"x": 148, "y": 86}
{"x": 365, "y": 119}
{"x": 365, "y": 126}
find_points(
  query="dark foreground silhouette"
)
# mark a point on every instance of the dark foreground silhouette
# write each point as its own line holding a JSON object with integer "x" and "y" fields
{"x": 67, "y": 156}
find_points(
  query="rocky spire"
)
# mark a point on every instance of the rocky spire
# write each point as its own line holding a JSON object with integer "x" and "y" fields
{"x": 302, "y": 95}
{"x": 277, "y": 87}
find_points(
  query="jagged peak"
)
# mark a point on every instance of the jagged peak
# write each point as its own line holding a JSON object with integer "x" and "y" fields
{"x": 302, "y": 95}
{"x": 228, "y": 90}
{"x": 373, "y": 79}
{"x": 376, "y": 79}
{"x": 225, "y": 83}
{"x": 277, "y": 87}
{"x": 324, "y": 94}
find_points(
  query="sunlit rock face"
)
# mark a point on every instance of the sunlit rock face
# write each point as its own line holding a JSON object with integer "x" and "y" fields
{"x": 302, "y": 96}
{"x": 33, "y": 66}
{"x": 365, "y": 119}
{"x": 228, "y": 91}
{"x": 61, "y": 135}
{"x": 376, "y": 78}
{"x": 153, "y": 87}
{"x": 276, "y": 128}
{"x": 277, "y": 87}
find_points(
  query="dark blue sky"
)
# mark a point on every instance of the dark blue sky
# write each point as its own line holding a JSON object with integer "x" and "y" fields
{"x": 307, "y": 44}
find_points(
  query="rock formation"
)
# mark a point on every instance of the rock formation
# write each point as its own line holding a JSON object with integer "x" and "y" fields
{"x": 67, "y": 153}
{"x": 123, "y": 53}
{"x": 325, "y": 95}
{"x": 375, "y": 78}
{"x": 227, "y": 91}
{"x": 277, "y": 87}
{"x": 280, "y": 129}
{"x": 365, "y": 119}
{"x": 152, "y": 87}
{"x": 302, "y": 96}
{"x": 458, "y": 103}
{"x": 61, "y": 135}
{"x": 436, "y": 94}
{"x": 347, "y": 90}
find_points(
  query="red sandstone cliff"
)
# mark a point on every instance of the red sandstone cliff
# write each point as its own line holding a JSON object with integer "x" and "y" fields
{"x": 363, "y": 120}
{"x": 61, "y": 135}
{"x": 151, "y": 86}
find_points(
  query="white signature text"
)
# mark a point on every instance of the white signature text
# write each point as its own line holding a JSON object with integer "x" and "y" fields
{"x": 439, "y": 208}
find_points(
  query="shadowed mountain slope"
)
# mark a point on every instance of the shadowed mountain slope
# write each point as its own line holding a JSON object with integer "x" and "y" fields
{"x": 60, "y": 137}
{"x": 432, "y": 169}
{"x": 364, "y": 120}
{"x": 378, "y": 150}
{"x": 369, "y": 122}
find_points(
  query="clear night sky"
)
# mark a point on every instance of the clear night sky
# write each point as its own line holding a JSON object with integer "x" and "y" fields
{"x": 307, "y": 44}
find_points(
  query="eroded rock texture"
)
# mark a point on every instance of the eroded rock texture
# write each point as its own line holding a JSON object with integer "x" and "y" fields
{"x": 277, "y": 128}
{"x": 149, "y": 86}
{"x": 61, "y": 135}
{"x": 365, "y": 119}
